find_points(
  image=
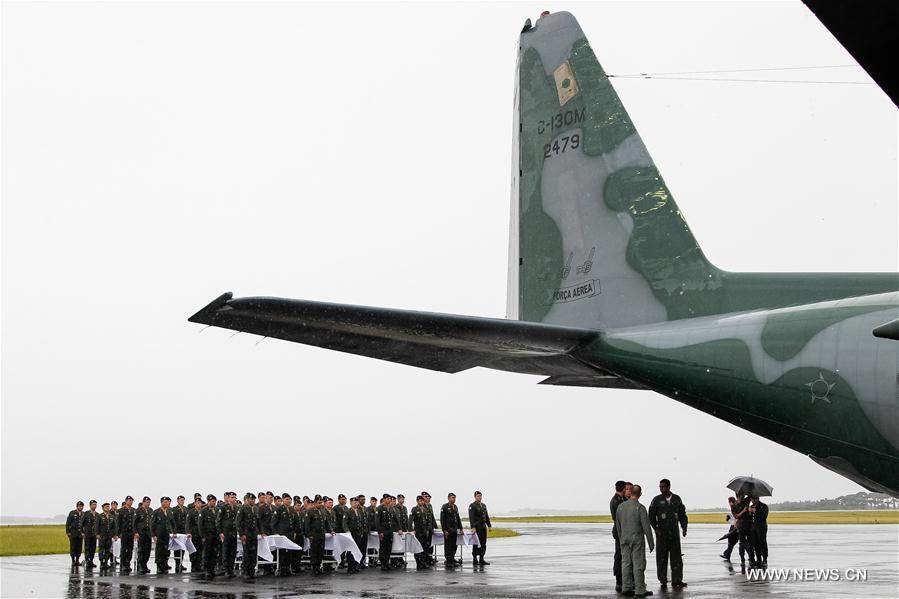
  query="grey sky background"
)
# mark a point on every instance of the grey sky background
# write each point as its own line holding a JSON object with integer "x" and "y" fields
{"x": 155, "y": 155}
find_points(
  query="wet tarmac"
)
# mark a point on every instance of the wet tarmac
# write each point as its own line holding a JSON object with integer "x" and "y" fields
{"x": 548, "y": 560}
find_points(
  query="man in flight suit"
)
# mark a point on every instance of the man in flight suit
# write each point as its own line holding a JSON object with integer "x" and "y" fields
{"x": 421, "y": 525}
{"x": 479, "y": 521}
{"x": 451, "y": 525}
{"x": 666, "y": 512}
{"x": 73, "y": 531}
{"x": 632, "y": 526}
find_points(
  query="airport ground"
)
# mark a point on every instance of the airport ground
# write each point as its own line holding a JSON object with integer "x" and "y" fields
{"x": 546, "y": 560}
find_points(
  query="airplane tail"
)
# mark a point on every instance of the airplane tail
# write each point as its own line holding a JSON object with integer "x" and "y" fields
{"x": 596, "y": 238}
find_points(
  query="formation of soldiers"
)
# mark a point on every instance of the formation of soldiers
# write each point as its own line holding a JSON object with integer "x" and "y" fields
{"x": 633, "y": 530}
{"x": 215, "y": 527}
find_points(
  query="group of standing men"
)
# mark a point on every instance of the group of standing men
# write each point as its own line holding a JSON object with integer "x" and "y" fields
{"x": 215, "y": 527}
{"x": 667, "y": 518}
{"x": 748, "y": 526}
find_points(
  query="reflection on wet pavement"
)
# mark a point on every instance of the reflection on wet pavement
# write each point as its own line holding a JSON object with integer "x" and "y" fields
{"x": 548, "y": 560}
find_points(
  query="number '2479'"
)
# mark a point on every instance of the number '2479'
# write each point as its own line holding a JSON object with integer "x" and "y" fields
{"x": 561, "y": 145}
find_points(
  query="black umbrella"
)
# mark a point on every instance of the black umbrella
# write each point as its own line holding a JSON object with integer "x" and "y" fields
{"x": 729, "y": 535}
{"x": 748, "y": 485}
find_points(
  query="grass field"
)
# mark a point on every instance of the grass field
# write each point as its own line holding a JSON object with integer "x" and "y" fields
{"x": 835, "y": 517}
{"x": 51, "y": 538}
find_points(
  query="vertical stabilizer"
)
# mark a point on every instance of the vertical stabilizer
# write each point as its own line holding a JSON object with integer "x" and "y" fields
{"x": 597, "y": 240}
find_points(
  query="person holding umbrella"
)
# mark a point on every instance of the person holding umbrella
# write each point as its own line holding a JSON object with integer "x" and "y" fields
{"x": 750, "y": 489}
{"x": 759, "y": 512}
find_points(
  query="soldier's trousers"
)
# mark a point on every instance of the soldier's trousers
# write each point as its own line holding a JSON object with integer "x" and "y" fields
{"x": 105, "y": 551}
{"x": 633, "y": 565}
{"x": 386, "y": 546}
{"x": 196, "y": 558}
{"x": 482, "y": 539}
{"x": 127, "y": 550}
{"x": 424, "y": 539}
{"x": 616, "y": 562}
{"x": 229, "y": 553}
{"x": 746, "y": 543}
{"x": 144, "y": 543}
{"x": 178, "y": 554}
{"x": 90, "y": 548}
{"x": 760, "y": 542}
{"x": 211, "y": 546}
{"x": 668, "y": 546}
{"x": 363, "y": 546}
{"x": 316, "y": 551}
{"x": 296, "y": 563}
{"x": 248, "y": 567}
{"x": 731, "y": 542}
{"x": 75, "y": 546}
{"x": 360, "y": 539}
{"x": 162, "y": 552}
{"x": 449, "y": 545}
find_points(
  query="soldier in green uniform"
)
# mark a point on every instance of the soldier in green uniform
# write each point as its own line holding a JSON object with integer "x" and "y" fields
{"x": 106, "y": 530}
{"x": 298, "y": 522}
{"x": 479, "y": 521}
{"x": 193, "y": 529}
{"x": 266, "y": 510}
{"x": 282, "y": 524}
{"x": 429, "y": 551}
{"x": 208, "y": 532}
{"x": 162, "y": 526}
{"x": 73, "y": 531}
{"x": 402, "y": 512}
{"x": 113, "y": 511}
{"x": 339, "y": 511}
{"x": 451, "y": 525}
{"x": 142, "y": 534}
{"x": 666, "y": 512}
{"x": 354, "y": 523}
{"x": 248, "y": 527}
{"x": 124, "y": 521}
{"x": 317, "y": 525}
{"x": 386, "y": 524}
{"x": 89, "y": 529}
{"x": 179, "y": 512}
{"x": 421, "y": 525}
{"x": 366, "y": 527}
{"x": 226, "y": 515}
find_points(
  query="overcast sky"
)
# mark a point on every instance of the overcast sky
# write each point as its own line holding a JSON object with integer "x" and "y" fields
{"x": 155, "y": 155}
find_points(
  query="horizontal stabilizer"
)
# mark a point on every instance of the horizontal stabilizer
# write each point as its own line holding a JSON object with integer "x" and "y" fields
{"x": 443, "y": 342}
{"x": 606, "y": 381}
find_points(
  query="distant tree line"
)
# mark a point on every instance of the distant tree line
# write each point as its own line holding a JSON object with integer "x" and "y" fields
{"x": 856, "y": 501}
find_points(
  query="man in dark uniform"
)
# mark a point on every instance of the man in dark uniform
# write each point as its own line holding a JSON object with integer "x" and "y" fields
{"x": 451, "y": 525}
{"x": 193, "y": 529}
{"x": 371, "y": 514}
{"x": 73, "y": 531}
{"x": 617, "y": 499}
{"x": 420, "y": 521}
{"x": 385, "y": 520}
{"x": 282, "y": 524}
{"x": 209, "y": 533}
{"x": 298, "y": 523}
{"x": 226, "y": 514}
{"x": 125, "y": 518}
{"x": 666, "y": 512}
{"x": 430, "y": 552}
{"x": 339, "y": 511}
{"x": 106, "y": 530}
{"x": 732, "y": 534}
{"x": 354, "y": 523}
{"x": 179, "y": 513}
{"x": 142, "y": 535}
{"x": 162, "y": 526}
{"x": 89, "y": 529}
{"x": 113, "y": 511}
{"x": 759, "y": 513}
{"x": 479, "y": 522}
{"x": 402, "y": 512}
{"x": 744, "y": 529}
{"x": 248, "y": 527}
{"x": 363, "y": 517}
{"x": 317, "y": 525}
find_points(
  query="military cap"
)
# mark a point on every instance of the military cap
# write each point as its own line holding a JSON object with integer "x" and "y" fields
{"x": 385, "y": 496}
{"x": 181, "y": 497}
{"x": 114, "y": 502}
{"x": 297, "y": 499}
{"x": 400, "y": 495}
{"x": 448, "y": 495}
{"x": 231, "y": 494}
{"x": 356, "y": 499}
{"x": 269, "y": 494}
{"x": 306, "y": 498}
{"x": 81, "y": 503}
{"x": 196, "y": 495}
{"x": 418, "y": 497}
{"x": 373, "y": 498}
{"x": 209, "y": 497}
{"x": 105, "y": 503}
{"x": 478, "y": 493}
{"x": 166, "y": 498}
{"x": 262, "y": 493}
{"x": 285, "y": 496}
{"x": 341, "y": 496}
{"x": 317, "y": 498}
{"x": 92, "y": 501}
{"x": 129, "y": 498}
{"x": 249, "y": 496}
{"x": 146, "y": 498}
{"x": 425, "y": 494}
